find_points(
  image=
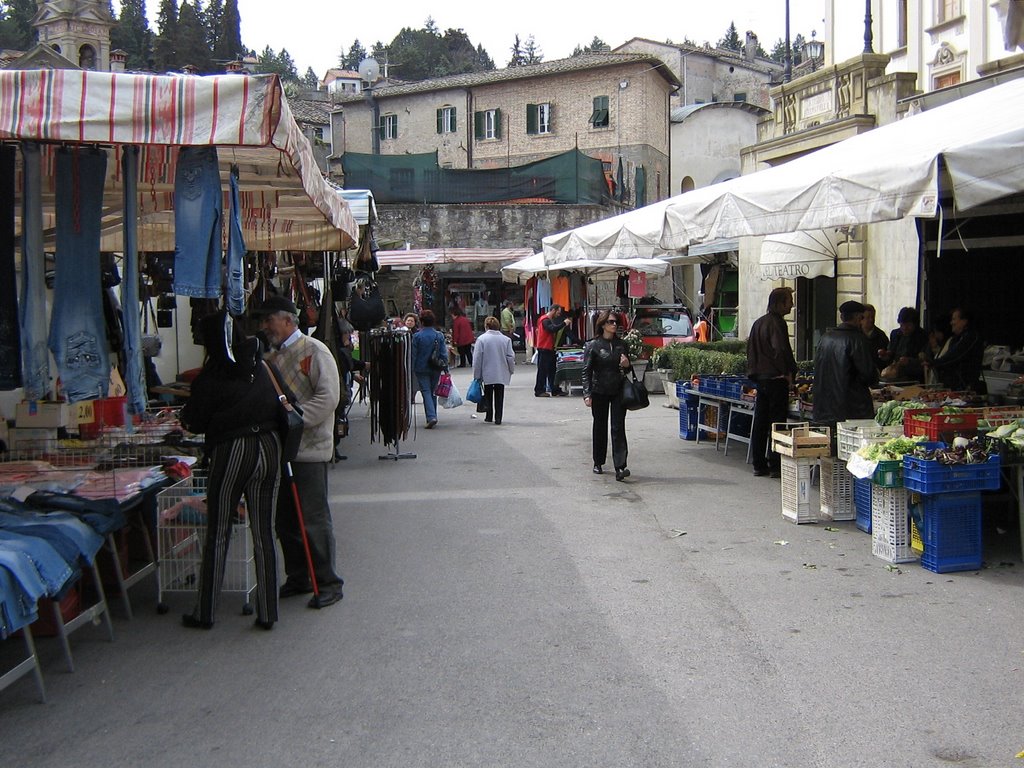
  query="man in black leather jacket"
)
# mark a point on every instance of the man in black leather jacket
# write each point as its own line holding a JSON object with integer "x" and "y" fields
{"x": 844, "y": 371}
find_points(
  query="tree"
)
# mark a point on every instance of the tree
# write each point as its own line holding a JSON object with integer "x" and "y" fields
{"x": 518, "y": 57}
{"x": 165, "y": 47}
{"x": 229, "y": 38}
{"x": 597, "y": 45}
{"x": 192, "y": 40}
{"x": 133, "y": 35}
{"x": 355, "y": 55}
{"x": 731, "y": 41}
{"x": 271, "y": 63}
{"x": 310, "y": 80}
{"x": 533, "y": 54}
{"x": 212, "y": 19}
{"x": 16, "y": 30}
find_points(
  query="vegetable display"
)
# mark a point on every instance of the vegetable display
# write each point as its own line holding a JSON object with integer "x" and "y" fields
{"x": 1011, "y": 435}
{"x": 892, "y": 450}
{"x": 966, "y": 452}
{"x": 891, "y": 413}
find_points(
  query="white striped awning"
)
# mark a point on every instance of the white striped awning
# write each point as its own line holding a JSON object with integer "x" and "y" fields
{"x": 423, "y": 257}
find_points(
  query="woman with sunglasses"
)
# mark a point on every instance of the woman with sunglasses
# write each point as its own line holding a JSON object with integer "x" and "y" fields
{"x": 605, "y": 360}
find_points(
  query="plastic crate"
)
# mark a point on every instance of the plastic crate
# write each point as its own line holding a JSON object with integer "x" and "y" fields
{"x": 852, "y": 435}
{"x": 888, "y": 474}
{"x": 686, "y": 392}
{"x": 931, "y": 477}
{"x": 732, "y": 386}
{"x": 709, "y": 385}
{"x": 940, "y": 426}
{"x": 950, "y": 528}
{"x": 862, "y": 502}
{"x": 687, "y": 421}
{"x": 799, "y": 504}
{"x": 836, "y": 491}
{"x": 890, "y": 527}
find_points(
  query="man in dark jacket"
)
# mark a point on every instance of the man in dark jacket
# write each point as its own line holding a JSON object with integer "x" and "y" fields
{"x": 844, "y": 371}
{"x": 771, "y": 365}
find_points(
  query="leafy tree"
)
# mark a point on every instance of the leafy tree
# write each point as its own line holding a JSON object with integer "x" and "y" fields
{"x": 227, "y": 44}
{"x": 533, "y": 54}
{"x": 459, "y": 54}
{"x": 165, "y": 47}
{"x": 518, "y": 57}
{"x": 133, "y": 35}
{"x": 483, "y": 60}
{"x": 212, "y": 19}
{"x": 192, "y": 39}
{"x": 597, "y": 45}
{"x": 310, "y": 80}
{"x": 731, "y": 41}
{"x": 16, "y": 30}
{"x": 271, "y": 63}
{"x": 355, "y": 55}
{"x": 798, "y": 49}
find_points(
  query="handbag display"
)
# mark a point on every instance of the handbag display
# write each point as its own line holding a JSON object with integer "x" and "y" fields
{"x": 634, "y": 393}
{"x": 444, "y": 386}
{"x": 475, "y": 392}
{"x": 289, "y": 420}
{"x": 151, "y": 343}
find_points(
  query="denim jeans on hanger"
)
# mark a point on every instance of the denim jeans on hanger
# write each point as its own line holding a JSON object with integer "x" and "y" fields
{"x": 198, "y": 210}
{"x": 35, "y": 357}
{"x": 236, "y": 251}
{"x": 10, "y": 333}
{"x": 78, "y": 334}
{"x": 134, "y": 365}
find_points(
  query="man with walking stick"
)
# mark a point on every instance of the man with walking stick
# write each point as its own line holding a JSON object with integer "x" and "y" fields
{"x": 304, "y": 525}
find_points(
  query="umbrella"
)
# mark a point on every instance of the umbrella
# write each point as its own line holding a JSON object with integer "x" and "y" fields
{"x": 800, "y": 254}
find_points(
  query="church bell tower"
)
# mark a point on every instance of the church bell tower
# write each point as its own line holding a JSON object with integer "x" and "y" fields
{"x": 79, "y": 30}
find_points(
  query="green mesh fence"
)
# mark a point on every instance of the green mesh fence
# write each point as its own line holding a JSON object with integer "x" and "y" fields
{"x": 571, "y": 177}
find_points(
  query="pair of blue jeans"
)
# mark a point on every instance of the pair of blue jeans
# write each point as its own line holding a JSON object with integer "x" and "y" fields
{"x": 134, "y": 365}
{"x": 78, "y": 333}
{"x": 236, "y": 251}
{"x": 198, "y": 210}
{"x": 427, "y": 383}
{"x": 35, "y": 357}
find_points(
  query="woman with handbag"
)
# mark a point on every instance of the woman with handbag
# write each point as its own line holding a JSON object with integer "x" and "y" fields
{"x": 234, "y": 403}
{"x": 429, "y": 360}
{"x": 493, "y": 363}
{"x": 605, "y": 360}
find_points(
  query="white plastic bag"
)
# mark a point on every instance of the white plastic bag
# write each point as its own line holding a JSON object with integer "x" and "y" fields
{"x": 454, "y": 399}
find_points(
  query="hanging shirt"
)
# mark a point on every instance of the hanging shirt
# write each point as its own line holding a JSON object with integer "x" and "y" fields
{"x": 637, "y": 284}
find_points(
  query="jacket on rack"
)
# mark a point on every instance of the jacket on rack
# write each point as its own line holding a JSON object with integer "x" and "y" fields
{"x": 601, "y": 370}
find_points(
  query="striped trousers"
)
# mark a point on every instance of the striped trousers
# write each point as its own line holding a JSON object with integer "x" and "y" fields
{"x": 246, "y": 466}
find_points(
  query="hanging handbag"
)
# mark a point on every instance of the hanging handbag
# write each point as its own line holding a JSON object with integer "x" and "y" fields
{"x": 289, "y": 418}
{"x": 151, "y": 343}
{"x": 634, "y": 393}
{"x": 475, "y": 393}
{"x": 444, "y": 386}
{"x": 436, "y": 361}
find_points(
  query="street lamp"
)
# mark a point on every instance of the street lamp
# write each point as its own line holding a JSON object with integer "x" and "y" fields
{"x": 814, "y": 50}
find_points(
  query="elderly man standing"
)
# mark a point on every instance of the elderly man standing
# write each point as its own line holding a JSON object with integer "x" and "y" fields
{"x": 844, "y": 370}
{"x": 308, "y": 368}
{"x": 771, "y": 365}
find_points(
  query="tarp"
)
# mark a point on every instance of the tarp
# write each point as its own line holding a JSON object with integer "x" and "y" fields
{"x": 425, "y": 256}
{"x": 885, "y": 174}
{"x": 286, "y": 202}
{"x": 800, "y": 254}
{"x": 534, "y": 265}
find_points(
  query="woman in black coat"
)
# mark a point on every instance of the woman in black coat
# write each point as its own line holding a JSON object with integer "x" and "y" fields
{"x": 605, "y": 359}
{"x": 233, "y": 403}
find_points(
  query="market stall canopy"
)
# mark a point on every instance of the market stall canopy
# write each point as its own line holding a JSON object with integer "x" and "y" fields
{"x": 631, "y": 235}
{"x": 286, "y": 202}
{"x": 534, "y": 265}
{"x": 426, "y": 256}
{"x": 885, "y": 174}
{"x": 800, "y": 254}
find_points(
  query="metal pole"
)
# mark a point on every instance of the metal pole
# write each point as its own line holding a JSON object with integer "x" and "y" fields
{"x": 787, "y": 73}
{"x": 867, "y": 27}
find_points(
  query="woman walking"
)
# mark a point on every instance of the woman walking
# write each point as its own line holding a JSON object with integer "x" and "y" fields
{"x": 424, "y": 343}
{"x": 493, "y": 363}
{"x": 463, "y": 337}
{"x": 605, "y": 359}
{"x": 233, "y": 403}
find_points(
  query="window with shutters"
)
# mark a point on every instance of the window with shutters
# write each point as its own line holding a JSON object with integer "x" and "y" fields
{"x": 446, "y": 122}
{"x": 947, "y": 9}
{"x": 389, "y": 127}
{"x": 487, "y": 124}
{"x": 538, "y": 119}
{"x": 599, "y": 117}
{"x": 901, "y": 23}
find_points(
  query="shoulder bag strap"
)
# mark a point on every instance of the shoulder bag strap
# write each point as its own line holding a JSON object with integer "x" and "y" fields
{"x": 277, "y": 387}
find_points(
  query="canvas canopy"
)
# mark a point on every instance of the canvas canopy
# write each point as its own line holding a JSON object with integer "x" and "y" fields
{"x": 885, "y": 174}
{"x": 286, "y": 202}
{"x": 534, "y": 265}
{"x": 800, "y": 254}
{"x": 425, "y": 256}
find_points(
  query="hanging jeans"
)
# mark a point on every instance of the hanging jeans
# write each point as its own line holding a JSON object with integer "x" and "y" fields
{"x": 78, "y": 335}
{"x": 35, "y": 357}
{"x": 198, "y": 210}
{"x": 236, "y": 251}
{"x": 134, "y": 365}
{"x": 10, "y": 334}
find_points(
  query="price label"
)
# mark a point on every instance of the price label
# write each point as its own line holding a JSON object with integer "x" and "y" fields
{"x": 85, "y": 412}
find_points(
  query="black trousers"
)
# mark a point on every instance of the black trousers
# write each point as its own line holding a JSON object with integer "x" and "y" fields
{"x": 465, "y": 355}
{"x": 494, "y": 402}
{"x": 602, "y": 407}
{"x": 247, "y": 466}
{"x": 311, "y": 481}
{"x": 545, "y": 372}
{"x": 771, "y": 406}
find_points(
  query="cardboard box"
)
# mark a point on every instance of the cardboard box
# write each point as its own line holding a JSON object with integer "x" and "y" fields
{"x": 22, "y": 438}
{"x": 34, "y": 414}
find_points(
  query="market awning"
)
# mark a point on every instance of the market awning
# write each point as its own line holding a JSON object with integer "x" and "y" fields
{"x": 534, "y": 265}
{"x": 800, "y": 254}
{"x": 631, "y": 235}
{"x": 287, "y": 204}
{"x": 423, "y": 257}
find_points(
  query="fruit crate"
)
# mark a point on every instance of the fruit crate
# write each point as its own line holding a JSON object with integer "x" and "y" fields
{"x": 836, "y": 491}
{"x": 710, "y": 385}
{"x": 732, "y": 386}
{"x": 888, "y": 474}
{"x": 862, "y": 502}
{"x": 799, "y": 504}
{"x": 852, "y": 435}
{"x": 800, "y": 441}
{"x": 890, "y": 526}
{"x": 939, "y": 426}
{"x": 931, "y": 477}
{"x": 687, "y": 421}
{"x": 687, "y": 393}
{"x": 950, "y": 528}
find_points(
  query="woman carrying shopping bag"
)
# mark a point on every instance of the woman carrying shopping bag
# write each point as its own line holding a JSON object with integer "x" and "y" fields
{"x": 429, "y": 359}
{"x": 493, "y": 363}
{"x": 605, "y": 360}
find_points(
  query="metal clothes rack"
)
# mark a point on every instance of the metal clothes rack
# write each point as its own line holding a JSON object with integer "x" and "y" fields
{"x": 391, "y": 387}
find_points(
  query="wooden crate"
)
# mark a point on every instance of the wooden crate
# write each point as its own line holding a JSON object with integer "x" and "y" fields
{"x": 800, "y": 441}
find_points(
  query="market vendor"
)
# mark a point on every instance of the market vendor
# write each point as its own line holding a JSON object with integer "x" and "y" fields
{"x": 906, "y": 346}
{"x": 958, "y": 366}
{"x": 878, "y": 342}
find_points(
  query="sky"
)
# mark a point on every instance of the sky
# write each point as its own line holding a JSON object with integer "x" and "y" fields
{"x": 315, "y": 31}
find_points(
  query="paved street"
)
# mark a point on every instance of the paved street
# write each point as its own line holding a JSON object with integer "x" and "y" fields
{"x": 506, "y": 607}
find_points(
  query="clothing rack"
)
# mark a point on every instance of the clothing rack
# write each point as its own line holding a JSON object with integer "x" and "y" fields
{"x": 391, "y": 388}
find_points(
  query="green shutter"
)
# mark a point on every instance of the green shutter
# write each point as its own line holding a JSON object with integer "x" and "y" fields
{"x": 531, "y": 119}
{"x": 440, "y": 124}
{"x": 551, "y": 117}
{"x": 380, "y": 128}
{"x": 478, "y": 125}
{"x": 455, "y": 120}
{"x": 497, "y": 123}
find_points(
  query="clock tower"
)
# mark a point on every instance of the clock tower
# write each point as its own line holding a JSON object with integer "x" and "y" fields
{"x": 79, "y": 30}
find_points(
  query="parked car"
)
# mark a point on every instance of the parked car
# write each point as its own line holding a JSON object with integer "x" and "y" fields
{"x": 662, "y": 324}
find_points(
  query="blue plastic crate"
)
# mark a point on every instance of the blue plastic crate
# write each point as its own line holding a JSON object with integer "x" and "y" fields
{"x": 931, "y": 477}
{"x": 685, "y": 391}
{"x": 711, "y": 385}
{"x": 688, "y": 422}
{"x": 950, "y": 528}
{"x": 732, "y": 386}
{"x": 862, "y": 502}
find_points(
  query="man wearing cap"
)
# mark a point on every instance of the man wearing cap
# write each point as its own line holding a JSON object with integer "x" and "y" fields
{"x": 844, "y": 370}
{"x": 309, "y": 369}
{"x": 770, "y": 365}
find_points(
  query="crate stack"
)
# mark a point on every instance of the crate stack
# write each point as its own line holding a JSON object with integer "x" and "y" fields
{"x": 688, "y": 402}
{"x": 799, "y": 448}
{"x": 946, "y": 504}
{"x": 862, "y": 502}
{"x": 836, "y": 490}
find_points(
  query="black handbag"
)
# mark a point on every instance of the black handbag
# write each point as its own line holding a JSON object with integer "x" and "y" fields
{"x": 437, "y": 362}
{"x": 634, "y": 393}
{"x": 289, "y": 421}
